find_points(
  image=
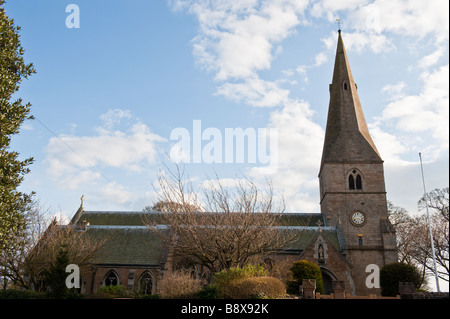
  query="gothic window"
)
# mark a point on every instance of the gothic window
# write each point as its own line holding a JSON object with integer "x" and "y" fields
{"x": 358, "y": 182}
{"x": 111, "y": 279}
{"x": 351, "y": 182}
{"x": 345, "y": 85}
{"x": 146, "y": 283}
{"x": 354, "y": 180}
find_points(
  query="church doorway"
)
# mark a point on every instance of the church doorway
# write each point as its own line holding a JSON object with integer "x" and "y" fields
{"x": 327, "y": 277}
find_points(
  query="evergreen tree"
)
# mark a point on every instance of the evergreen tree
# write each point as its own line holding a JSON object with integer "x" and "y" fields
{"x": 56, "y": 275}
{"x": 304, "y": 269}
{"x": 13, "y": 203}
{"x": 392, "y": 274}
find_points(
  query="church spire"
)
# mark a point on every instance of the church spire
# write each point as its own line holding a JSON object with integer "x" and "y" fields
{"x": 347, "y": 138}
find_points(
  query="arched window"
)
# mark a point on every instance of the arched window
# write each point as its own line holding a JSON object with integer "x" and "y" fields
{"x": 354, "y": 180}
{"x": 111, "y": 279}
{"x": 351, "y": 182}
{"x": 345, "y": 85}
{"x": 358, "y": 182}
{"x": 146, "y": 283}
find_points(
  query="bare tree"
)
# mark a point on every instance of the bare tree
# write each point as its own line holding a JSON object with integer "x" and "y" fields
{"x": 227, "y": 227}
{"x": 36, "y": 249}
{"x": 405, "y": 226}
{"x": 413, "y": 236}
{"x": 438, "y": 205}
{"x": 12, "y": 258}
{"x": 166, "y": 206}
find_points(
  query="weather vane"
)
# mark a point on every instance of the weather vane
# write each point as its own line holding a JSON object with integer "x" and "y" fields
{"x": 338, "y": 21}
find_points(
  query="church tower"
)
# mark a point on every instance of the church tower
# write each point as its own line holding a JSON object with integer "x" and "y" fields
{"x": 351, "y": 176}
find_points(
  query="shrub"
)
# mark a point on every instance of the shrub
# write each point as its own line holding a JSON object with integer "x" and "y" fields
{"x": 117, "y": 291}
{"x": 392, "y": 274}
{"x": 257, "y": 287}
{"x": 179, "y": 285}
{"x": 304, "y": 269}
{"x": 208, "y": 292}
{"x": 224, "y": 279}
{"x": 21, "y": 294}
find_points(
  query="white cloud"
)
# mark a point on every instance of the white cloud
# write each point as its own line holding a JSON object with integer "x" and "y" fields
{"x": 73, "y": 160}
{"x": 321, "y": 58}
{"x": 255, "y": 92}
{"x": 431, "y": 59}
{"x": 370, "y": 24}
{"x": 114, "y": 193}
{"x": 359, "y": 41}
{"x": 329, "y": 8}
{"x": 114, "y": 116}
{"x": 421, "y": 120}
{"x": 389, "y": 145}
{"x": 395, "y": 91}
{"x": 300, "y": 143}
{"x": 237, "y": 39}
{"x": 407, "y": 17}
{"x": 302, "y": 70}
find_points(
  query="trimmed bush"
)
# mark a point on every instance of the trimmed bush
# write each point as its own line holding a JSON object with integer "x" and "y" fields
{"x": 304, "y": 269}
{"x": 257, "y": 288}
{"x": 223, "y": 280}
{"x": 392, "y": 274}
{"x": 179, "y": 285}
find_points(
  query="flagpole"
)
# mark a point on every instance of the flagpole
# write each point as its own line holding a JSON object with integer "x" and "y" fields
{"x": 429, "y": 226}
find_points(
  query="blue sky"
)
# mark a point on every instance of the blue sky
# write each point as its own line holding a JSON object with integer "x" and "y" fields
{"x": 107, "y": 95}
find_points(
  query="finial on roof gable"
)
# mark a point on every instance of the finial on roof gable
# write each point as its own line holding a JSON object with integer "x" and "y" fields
{"x": 319, "y": 223}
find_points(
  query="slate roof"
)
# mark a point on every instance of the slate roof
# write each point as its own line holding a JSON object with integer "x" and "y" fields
{"x": 132, "y": 218}
{"x": 307, "y": 234}
{"x": 128, "y": 246}
{"x": 130, "y": 242}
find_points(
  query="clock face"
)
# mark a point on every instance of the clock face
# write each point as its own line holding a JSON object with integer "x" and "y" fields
{"x": 358, "y": 218}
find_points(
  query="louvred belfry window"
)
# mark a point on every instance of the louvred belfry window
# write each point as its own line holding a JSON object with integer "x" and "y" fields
{"x": 354, "y": 180}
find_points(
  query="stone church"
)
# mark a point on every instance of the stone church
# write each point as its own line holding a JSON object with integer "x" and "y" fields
{"x": 351, "y": 232}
